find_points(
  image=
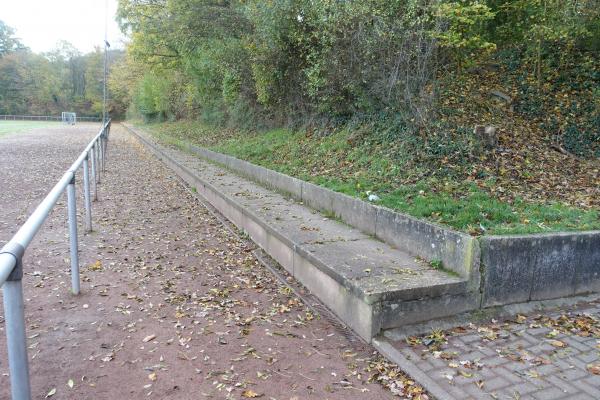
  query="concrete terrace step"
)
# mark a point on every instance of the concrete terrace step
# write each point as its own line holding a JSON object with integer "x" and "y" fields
{"x": 367, "y": 283}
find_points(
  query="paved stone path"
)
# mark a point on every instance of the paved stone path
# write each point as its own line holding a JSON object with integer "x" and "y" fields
{"x": 541, "y": 357}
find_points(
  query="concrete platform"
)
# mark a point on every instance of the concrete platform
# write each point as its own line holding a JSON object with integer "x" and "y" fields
{"x": 369, "y": 284}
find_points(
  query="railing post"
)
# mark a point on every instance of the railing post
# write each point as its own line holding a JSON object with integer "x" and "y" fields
{"x": 97, "y": 154}
{"x": 86, "y": 194}
{"x": 14, "y": 316}
{"x": 94, "y": 180}
{"x": 100, "y": 158}
{"x": 72, "y": 211}
{"x": 16, "y": 340}
{"x": 101, "y": 150}
{"x": 105, "y": 147}
{"x": 94, "y": 171}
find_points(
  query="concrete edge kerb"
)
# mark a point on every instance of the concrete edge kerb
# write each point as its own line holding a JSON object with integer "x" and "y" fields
{"x": 382, "y": 345}
{"x": 220, "y": 157}
{"x": 523, "y": 268}
{"x": 364, "y": 216}
{"x": 543, "y": 235}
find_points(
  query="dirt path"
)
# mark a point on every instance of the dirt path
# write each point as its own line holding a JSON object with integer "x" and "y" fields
{"x": 173, "y": 305}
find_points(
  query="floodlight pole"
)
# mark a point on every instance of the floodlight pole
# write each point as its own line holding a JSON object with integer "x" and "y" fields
{"x": 104, "y": 116}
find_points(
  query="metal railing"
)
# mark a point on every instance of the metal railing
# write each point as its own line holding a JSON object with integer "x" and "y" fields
{"x": 45, "y": 118}
{"x": 11, "y": 255}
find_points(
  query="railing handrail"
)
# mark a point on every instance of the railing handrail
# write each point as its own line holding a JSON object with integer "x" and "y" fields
{"x": 28, "y": 230}
{"x": 11, "y": 255}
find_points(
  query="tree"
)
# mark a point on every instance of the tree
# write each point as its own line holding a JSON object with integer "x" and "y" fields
{"x": 548, "y": 29}
{"x": 281, "y": 61}
{"x": 59, "y": 80}
{"x": 8, "y": 42}
{"x": 463, "y": 34}
{"x": 122, "y": 81}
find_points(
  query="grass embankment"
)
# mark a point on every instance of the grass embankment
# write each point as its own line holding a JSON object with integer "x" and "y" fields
{"x": 476, "y": 198}
{"x": 11, "y": 127}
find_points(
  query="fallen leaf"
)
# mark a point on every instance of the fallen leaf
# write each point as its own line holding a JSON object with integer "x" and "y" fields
{"x": 557, "y": 343}
{"x": 594, "y": 368}
{"x": 70, "y": 383}
{"x": 148, "y": 338}
{"x": 152, "y": 376}
{"x": 552, "y": 334}
{"x": 533, "y": 374}
{"x": 51, "y": 393}
{"x": 250, "y": 394}
{"x": 97, "y": 266}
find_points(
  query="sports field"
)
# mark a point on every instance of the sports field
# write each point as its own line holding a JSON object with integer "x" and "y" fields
{"x": 10, "y": 127}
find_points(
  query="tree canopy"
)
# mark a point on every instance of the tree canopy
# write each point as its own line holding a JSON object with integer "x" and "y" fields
{"x": 60, "y": 80}
{"x": 8, "y": 42}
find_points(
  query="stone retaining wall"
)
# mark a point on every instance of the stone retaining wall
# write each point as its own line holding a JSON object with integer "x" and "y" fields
{"x": 457, "y": 251}
{"x": 539, "y": 267}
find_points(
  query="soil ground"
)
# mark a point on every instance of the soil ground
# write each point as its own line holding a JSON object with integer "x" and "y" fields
{"x": 173, "y": 304}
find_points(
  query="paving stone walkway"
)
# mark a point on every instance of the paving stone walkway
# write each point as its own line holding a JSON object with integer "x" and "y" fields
{"x": 541, "y": 356}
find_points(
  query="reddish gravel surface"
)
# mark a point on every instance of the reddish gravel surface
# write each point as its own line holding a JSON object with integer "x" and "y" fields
{"x": 173, "y": 305}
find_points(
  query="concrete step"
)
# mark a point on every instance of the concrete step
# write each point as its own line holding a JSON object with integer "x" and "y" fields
{"x": 369, "y": 284}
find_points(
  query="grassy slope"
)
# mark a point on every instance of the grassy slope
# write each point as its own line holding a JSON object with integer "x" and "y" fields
{"x": 334, "y": 162}
{"x": 10, "y": 127}
{"x": 527, "y": 184}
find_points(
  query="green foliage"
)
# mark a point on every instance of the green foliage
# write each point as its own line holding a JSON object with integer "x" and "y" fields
{"x": 439, "y": 265}
{"x": 548, "y": 29}
{"x": 231, "y": 87}
{"x": 464, "y": 34}
{"x": 377, "y": 65}
{"x": 8, "y": 42}
{"x": 122, "y": 84}
{"x": 277, "y": 58}
{"x": 340, "y": 59}
{"x": 62, "y": 79}
{"x": 195, "y": 47}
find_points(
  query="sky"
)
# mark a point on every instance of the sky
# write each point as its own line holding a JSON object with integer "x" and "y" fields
{"x": 40, "y": 24}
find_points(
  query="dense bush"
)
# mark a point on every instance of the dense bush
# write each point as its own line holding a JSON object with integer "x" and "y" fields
{"x": 249, "y": 62}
